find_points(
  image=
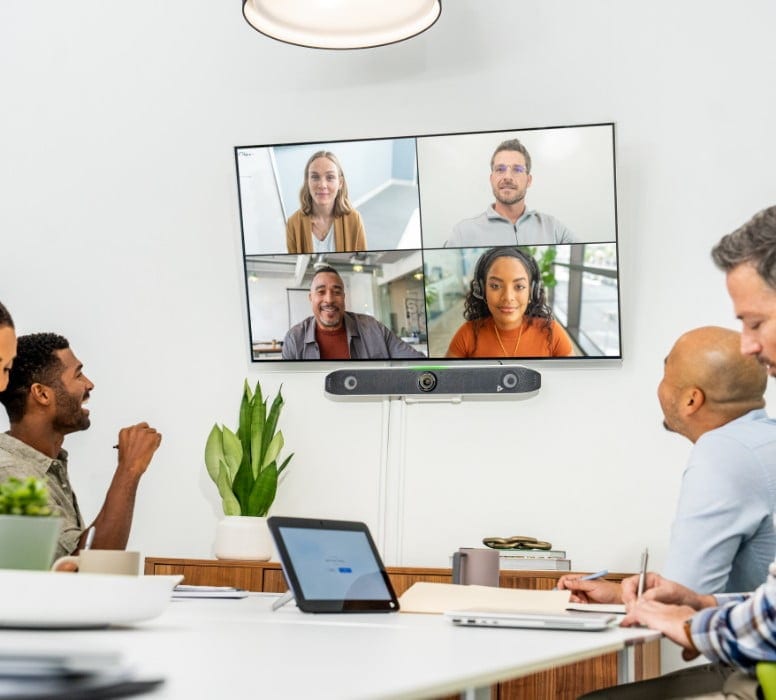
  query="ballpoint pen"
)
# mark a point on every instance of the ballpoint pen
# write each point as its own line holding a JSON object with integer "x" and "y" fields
{"x": 593, "y": 577}
{"x": 643, "y": 571}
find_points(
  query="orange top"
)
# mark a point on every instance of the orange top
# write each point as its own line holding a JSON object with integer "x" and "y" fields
{"x": 333, "y": 344}
{"x": 534, "y": 341}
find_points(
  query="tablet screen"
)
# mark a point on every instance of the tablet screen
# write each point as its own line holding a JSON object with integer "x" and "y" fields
{"x": 332, "y": 566}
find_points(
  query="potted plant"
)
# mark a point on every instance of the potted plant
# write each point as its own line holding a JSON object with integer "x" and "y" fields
{"x": 244, "y": 466}
{"x": 28, "y": 528}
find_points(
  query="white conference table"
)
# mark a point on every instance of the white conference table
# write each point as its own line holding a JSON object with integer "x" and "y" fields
{"x": 240, "y": 648}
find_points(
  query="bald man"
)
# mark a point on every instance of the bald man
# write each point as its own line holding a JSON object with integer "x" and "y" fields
{"x": 722, "y": 538}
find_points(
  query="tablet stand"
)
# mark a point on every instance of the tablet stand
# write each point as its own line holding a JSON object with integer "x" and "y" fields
{"x": 280, "y": 602}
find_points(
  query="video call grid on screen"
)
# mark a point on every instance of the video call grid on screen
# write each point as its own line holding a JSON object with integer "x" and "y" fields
{"x": 411, "y": 192}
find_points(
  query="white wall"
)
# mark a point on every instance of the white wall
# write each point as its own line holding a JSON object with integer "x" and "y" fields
{"x": 119, "y": 227}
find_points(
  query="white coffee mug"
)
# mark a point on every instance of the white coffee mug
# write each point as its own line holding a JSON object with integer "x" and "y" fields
{"x": 102, "y": 561}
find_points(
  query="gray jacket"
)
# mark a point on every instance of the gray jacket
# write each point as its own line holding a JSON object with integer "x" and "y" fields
{"x": 368, "y": 339}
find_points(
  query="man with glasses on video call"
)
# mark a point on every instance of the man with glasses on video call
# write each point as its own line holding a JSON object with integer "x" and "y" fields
{"x": 507, "y": 221}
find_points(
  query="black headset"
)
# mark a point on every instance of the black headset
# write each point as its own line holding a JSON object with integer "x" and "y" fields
{"x": 486, "y": 260}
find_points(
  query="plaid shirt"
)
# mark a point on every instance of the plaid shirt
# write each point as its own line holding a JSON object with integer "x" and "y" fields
{"x": 742, "y": 630}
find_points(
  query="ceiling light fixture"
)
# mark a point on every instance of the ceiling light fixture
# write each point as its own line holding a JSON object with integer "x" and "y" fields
{"x": 341, "y": 24}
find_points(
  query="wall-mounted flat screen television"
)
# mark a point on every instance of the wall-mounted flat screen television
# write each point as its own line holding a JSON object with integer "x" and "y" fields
{"x": 490, "y": 245}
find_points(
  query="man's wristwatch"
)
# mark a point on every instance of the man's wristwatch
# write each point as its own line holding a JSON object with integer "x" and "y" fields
{"x": 688, "y": 634}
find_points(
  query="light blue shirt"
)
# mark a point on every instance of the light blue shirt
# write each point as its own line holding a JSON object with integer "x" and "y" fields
{"x": 723, "y": 538}
{"x": 492, "y": 229}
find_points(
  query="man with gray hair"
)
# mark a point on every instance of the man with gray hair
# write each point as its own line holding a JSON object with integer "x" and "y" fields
{"x": 332, "y": 333}
{"x": 507, "y": 221}
{"x": 748, "y": 257}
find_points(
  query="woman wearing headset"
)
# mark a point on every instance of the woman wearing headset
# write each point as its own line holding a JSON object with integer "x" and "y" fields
{"x": 506, "y": 311}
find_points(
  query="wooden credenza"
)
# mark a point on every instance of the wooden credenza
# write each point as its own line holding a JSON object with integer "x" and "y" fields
{"x": 561, "y": 683}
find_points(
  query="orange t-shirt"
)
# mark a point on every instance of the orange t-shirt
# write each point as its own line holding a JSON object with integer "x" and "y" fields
{"x": 534, "y": 342}
{"x": 333, "y": 344}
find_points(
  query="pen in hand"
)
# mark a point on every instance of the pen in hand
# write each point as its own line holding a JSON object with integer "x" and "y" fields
{"x": 592, "y": 577}
{"x": 643, "y": 572}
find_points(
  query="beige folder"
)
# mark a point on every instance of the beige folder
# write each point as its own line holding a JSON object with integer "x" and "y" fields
{"x": 424, "y": 597}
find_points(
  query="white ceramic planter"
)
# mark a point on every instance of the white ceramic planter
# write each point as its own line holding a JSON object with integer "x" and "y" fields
{"x": 243, "y": 537}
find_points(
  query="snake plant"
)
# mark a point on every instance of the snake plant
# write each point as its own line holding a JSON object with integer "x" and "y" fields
{"x": 244, "y": 464}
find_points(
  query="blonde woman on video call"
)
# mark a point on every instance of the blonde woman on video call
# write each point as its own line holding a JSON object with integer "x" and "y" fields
{"x": 326, "y": 221}
{"x": 506, "y": 311}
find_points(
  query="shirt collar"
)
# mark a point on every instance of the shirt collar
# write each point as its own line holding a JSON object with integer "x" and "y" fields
{"x": 29, "y": 454}
{"x": 491, "y": 213}
{"x": 350, "y": 327}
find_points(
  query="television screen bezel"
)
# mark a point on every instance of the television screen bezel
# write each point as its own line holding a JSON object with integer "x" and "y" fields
{"x": 435, "y": 360}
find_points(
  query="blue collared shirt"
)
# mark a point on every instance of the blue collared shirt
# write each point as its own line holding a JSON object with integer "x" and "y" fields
{"x": 722, "y": 538}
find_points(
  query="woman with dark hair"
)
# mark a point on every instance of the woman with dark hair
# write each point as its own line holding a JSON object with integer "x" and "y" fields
{"x": 506, "y": 311}
{"x": 326, "y": 221}
{"x": 7, "y": 346}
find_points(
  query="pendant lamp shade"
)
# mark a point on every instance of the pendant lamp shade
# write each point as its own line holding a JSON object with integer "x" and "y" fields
{"x": 341, "y": 24}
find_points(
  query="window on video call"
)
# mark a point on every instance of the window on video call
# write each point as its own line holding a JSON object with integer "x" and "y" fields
{"x": 417, "y": 258}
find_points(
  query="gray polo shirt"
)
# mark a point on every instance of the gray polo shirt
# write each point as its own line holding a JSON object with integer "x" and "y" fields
{"x": 492, "y": 229}
{"x": 22, "y": 461}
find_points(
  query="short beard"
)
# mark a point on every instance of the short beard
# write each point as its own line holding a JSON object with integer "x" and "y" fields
{"x": 70, "y": 416}
{"x": 512, "y": 200}
{"x": 334, "y": 324}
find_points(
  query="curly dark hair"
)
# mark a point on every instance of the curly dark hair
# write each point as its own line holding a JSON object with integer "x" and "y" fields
{"x": 754, "y": 242}
{"x": 35, "y": 363}
{"x": 476, "y": 307}
{"x": 5, "y": 317}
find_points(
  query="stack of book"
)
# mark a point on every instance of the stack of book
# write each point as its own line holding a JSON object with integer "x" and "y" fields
{"x": 534, "y": 559}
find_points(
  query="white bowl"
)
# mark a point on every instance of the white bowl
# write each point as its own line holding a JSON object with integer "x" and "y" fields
{"x": 48, "y": 599}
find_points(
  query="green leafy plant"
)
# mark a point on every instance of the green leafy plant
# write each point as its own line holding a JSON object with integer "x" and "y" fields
{"x": 431, "y": 295}
{"x": 243, "y": 464}
{"x": 546, "y": 263}
{"x": 27, "y": 497}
